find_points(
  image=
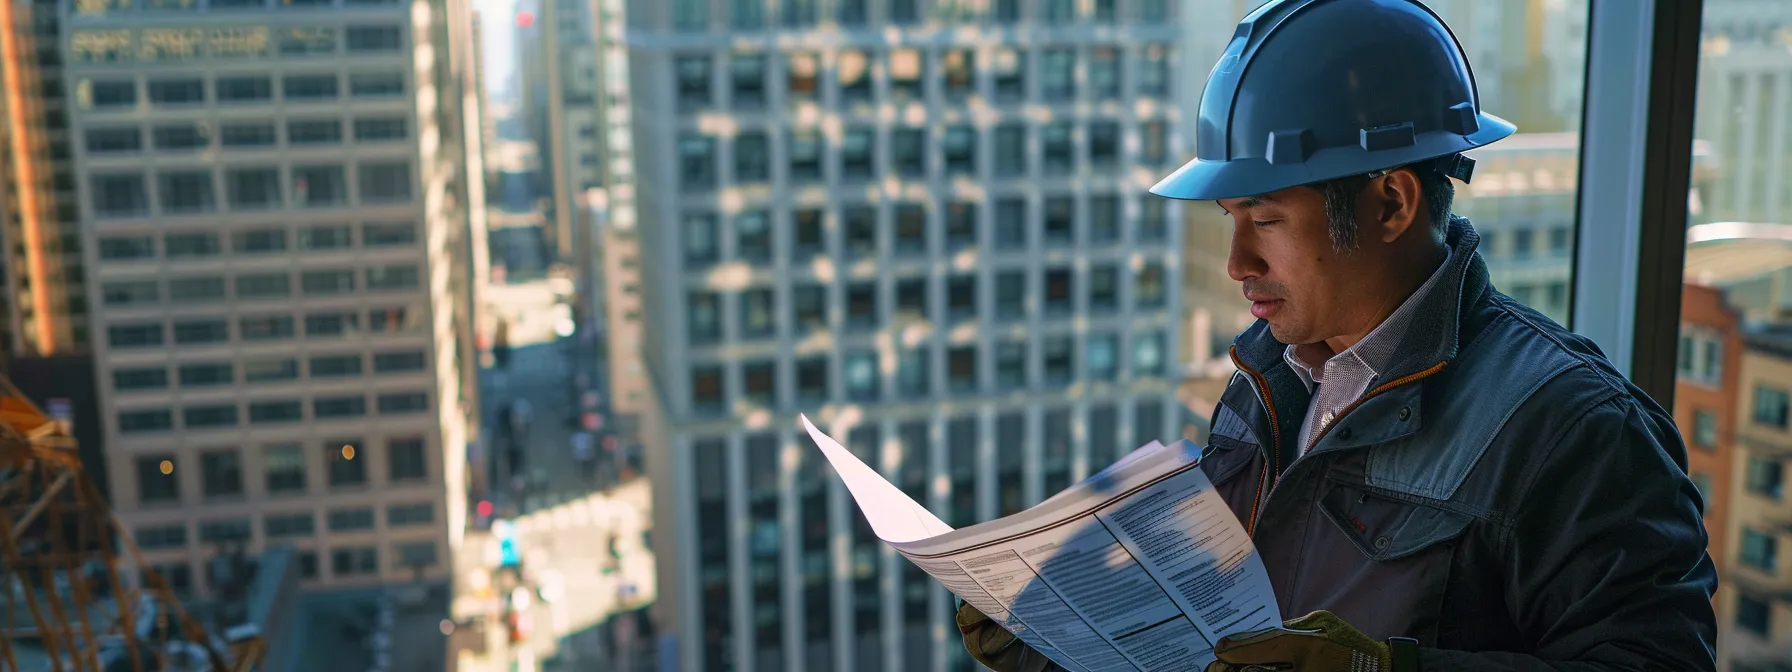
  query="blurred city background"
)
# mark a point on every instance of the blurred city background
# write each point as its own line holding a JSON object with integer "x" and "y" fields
{"x": 471, "y": 335}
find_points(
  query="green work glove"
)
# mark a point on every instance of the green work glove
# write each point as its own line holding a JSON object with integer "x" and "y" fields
{"x": 1317, "y": 642}
{"x": 995, "y": 647}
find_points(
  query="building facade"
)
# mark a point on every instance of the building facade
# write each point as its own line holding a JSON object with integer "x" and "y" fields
{"x": 1757, "y": 626}
{"x": 925, "y": 225}
{"x": 1705, "y": 404}
{"x": 274, "y": 197}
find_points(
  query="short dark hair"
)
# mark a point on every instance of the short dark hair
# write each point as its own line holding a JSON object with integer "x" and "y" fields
{"x": 1340, "y": 203}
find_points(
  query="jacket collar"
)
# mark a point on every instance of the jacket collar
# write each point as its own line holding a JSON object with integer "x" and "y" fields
{"x": 1436, "y": 329}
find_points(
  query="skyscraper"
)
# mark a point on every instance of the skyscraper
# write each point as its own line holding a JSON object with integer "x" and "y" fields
{"x": 931, "y": 234}
{"x": 274, "y": 197}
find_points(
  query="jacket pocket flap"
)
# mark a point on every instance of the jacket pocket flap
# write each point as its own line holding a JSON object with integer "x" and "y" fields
{"x": 1225, "y": 457}
{"x": 1385, "y": 528}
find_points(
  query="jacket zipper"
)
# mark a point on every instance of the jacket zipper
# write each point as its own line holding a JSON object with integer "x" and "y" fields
{"x": 1273, "y": 456}
{"x": 1262, "y": 385}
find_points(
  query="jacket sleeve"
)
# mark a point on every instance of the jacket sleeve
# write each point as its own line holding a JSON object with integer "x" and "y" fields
{"x": 1606, "y": 562}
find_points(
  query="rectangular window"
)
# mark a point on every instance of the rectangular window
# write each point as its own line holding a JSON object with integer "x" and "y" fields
{"x": 374, "y": 39}
{"x": 269, "y": 370}
{"x": 131, "y": 293}
{"x": 319, "y": 186}
{"x": 1148, "y": 354}
{"x": 326, "y": 237}
{"x": 1058, "y": 355}
{"x": 146, "y": 378}
{"x": 253, "y": 188}
{"x": 1153, "y": 221}
{"x": 347, "y": 467}
{"x": 407, "y": 459}
{"x": 159, "y": 537}
{"x": 285, "y": 469}
{"x": 911, "y": 228}
{"x": 702, "y": 245}
{"x": 863, "y": 381}
{"x": 121, "y": 248}
{"x": 350, "y": 520}
{"x": 339, "y": 407}
{"x": 204, "y": 244}
{"x": 403, "y": 403}
{"x": 114, "y": 140}
{"x": 908, "y": 152}
{"x": 961, "y": 297}
{"x": 333, "y": 366}
{"x": 747, "y": 75}
{"x": 861, "y": 305}
{"x": 853, "y": 73}
{"x": 961, "y": 369}
{"x": 327, "y": 282}
{"x": 1009, "y": 71}
{"x": 1011, "y": 295}
{"x": 752, "y": 157}
{"x": 1104, "y": 144}
{"x": 753, "y": 236}
{"x": 1760, "y": 550}
{"x": 858, "y": 154}
{"x": 113, "y": 94}
{"x": 314, "y": 132}
{"x": 289, "y": 525}
{"x": 1765, "y": 477}
{"x": 1011, "y": 364}
{"x": 1155, "y": 143}
{"x": 221, "y": 473}
{"x": 1011, "y": 224}
{"x": 227, "y": 530}
{"x": 198, "y": 332}
{"x": 958, "y": 73}
{"x": 911, "y": 298}
{"x": 809, "y": 308}
{"x": 1010, "y": 150}
{"x": 156, "y": 480}
{"x": 1148, "y": 287}
{"x": 410, "y": 515}
{"x": 264, "y": 285}
{"x": 907, "y": 69}
{"x": 759, "y": 382}
{"x": 960, "y": 150}
{"x": 182, "y": 91}
{"x": 265, "y": 328}
{"x": 696, "y": 162}
{"x": 331, "y": 324}
{"x": 389, "y": 234}
{"x": 194, "y": 290}
{"x": 308, "y": 87}
{"x": 211, "y": 415}
{"x": 121, "y": 336}
{"x": 1154, "y": 70}
{"x": 133, "y": 422}
{"x": 245, "y": 89}
{"x": 1057, "y": 74}
{"x": 181, "y": 137}
{"x": 399, "y": 362}
{"x": 914, "y": 373}
{"x": 376, "y": 84}
{"x": 851, "y": 12}
{"x": 859, "y": 229}
{"x": 395, "y": 276}
{"x": 704, "y": 317}
{"x": 805, "y": 155}
{"x": 384, "y": 181}
{"x": 119, "y": 195}
{"x": 707, "y": 395}
{"x": 758, "y": 313}
{"x": 276, "y": 411}
{"x": 186, "y": 191}
{"x": 260, "y": 241}
{"x": 1104, "y": 288}
{"x": 355, "y": 560}
{"x": 1771, "y": 406}
{"x": 800, "y": 77}
{"x": 305, "y": 40}
{"x": 1060, "y": 221}
{"x": 1754, "y": 615}
{"x": 812, "y": 379}
{"x": 1704, "y": 429}
{"x": 392, "y": 320}
{"x": 417, "y": 555}
{"x": 1104, "y": 72}
{"x": 1101, "y": 356}
{"x": 380, "y": 128}
{"x": 1060, "y": 291}
{"x": 1058, "y": 148}
{"x": 207, "y": 374}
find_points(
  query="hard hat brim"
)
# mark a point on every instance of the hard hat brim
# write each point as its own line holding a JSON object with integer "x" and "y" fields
{"x": 1200, "y": 180}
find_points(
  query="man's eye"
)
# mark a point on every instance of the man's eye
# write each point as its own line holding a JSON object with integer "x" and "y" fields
{"x": 1266, "y": 222}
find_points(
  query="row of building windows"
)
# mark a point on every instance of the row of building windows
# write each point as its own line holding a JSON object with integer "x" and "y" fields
{"x": 194, "y": 190}
{"x": 271, "y": 369}
{"x": 814, "y": 545}
{"x": 1017, "y": 295}
{"x": 1064, "y": 148}
{"x": 909, "y": 68}
{"x": 1047, "y": 361}
{"x": 737, "y": 15}
{"x": 753, "y": 234}
{"x": 346, "y": 562}
{"x": 204, "y": 290}
{"x": 108, "y": 94}
{"x": 258, "y": 240}
{"x": 104, "y": 7}
{"x": 271, "y": 411}
{"x": 1521, "y": 243}
{"x": 283, "y": 526}
{"x": 165, "y": 45}
{"x": 318, "y": 324}
{"x": 285, "y": 471}
{"x": 190, "y": 136}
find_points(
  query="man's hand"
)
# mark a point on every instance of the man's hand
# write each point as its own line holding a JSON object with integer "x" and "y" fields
{"x": 1317, "y": 642}
{"x": 995, "y": 647}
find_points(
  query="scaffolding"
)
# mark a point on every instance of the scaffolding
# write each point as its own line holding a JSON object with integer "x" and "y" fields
{"x": 75, "y": 595}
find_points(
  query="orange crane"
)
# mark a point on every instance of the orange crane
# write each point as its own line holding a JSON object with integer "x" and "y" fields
{"x": 64, "y": 597}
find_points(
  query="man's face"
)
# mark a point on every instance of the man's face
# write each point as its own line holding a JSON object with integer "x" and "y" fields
{"x": 1282, "y": 255}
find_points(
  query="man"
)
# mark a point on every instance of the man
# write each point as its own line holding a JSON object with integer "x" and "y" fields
{"x": 1439, "y": 477}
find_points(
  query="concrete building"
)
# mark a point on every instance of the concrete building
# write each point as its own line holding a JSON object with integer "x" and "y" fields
{"x": 1745, "y": 108}
{"x": 1758, "y": 625}
{"x": 275, "y": 197}
{"x": 929, "y": 232}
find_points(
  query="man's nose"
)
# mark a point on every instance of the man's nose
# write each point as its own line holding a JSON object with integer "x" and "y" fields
{"x": 1242, "y": 261}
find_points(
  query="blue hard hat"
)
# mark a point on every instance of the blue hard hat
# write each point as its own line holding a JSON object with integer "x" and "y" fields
{"x": 1314, "y": 90}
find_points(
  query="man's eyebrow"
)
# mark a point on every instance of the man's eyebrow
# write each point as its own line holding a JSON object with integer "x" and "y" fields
{"x": 1250, "y": 202}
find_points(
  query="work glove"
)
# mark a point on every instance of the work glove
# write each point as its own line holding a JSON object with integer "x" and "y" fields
{"x": 995, "y": 647}
{"x": 1317, "y": 642}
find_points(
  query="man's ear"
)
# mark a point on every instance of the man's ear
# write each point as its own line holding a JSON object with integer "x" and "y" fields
{"x": 1401, "y": 201}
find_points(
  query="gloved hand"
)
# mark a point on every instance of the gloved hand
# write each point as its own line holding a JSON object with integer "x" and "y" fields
{"x": 1317, "y": 642}
{"x": 995, "y": 647}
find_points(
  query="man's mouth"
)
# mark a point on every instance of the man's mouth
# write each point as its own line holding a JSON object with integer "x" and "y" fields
{"x": 1263, "y": 310}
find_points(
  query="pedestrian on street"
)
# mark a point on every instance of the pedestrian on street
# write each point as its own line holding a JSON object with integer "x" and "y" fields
{"x": 1437, "y": 477}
